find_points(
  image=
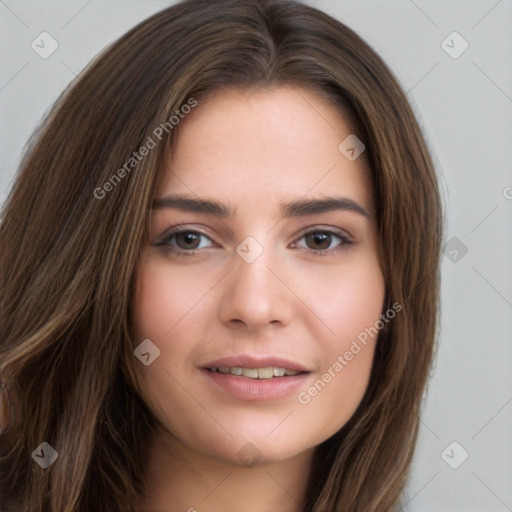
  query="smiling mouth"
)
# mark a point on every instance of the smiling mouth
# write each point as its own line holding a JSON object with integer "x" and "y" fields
{"x": 268, "y": 372}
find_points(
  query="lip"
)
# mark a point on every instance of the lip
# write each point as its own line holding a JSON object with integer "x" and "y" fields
{"x": 245, "y": 388}
{"x": 248, "y": 361}
{"x": 252, "y": 390}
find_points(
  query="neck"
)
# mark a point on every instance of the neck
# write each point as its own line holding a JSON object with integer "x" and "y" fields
{"x": 180, "y": 480}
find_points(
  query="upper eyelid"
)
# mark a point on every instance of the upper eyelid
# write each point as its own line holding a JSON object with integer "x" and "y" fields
{"x": 326, "y": 229}
{"x": 182, "y": 229}
{"x": 341, "y": 233}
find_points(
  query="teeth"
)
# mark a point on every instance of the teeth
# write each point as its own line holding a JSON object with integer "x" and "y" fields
{"x": 265, "y": 373}
{"x": 255, "y": 373}
{"x": 250, "y": 372}
{"x": 278, "y": 372}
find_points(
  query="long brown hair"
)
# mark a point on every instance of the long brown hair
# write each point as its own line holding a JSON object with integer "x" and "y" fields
{"x": 71, "y": 246}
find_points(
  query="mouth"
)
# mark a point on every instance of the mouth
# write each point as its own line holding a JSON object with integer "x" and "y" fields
{"x": 255, "y": 378}
{"x": 268, "y": 372}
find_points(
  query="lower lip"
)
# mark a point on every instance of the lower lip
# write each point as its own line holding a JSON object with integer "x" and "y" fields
{"x": 245, "y": 388}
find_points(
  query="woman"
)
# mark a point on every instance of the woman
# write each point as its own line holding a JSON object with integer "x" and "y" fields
{"x": 220, "y": 274}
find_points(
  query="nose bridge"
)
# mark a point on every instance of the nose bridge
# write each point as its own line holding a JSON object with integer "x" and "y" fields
{"x": 254, "y": 274}
{"x": 253, "y": 257}
{"x": 254, "y": 296}
{"x": 251, "y": 273}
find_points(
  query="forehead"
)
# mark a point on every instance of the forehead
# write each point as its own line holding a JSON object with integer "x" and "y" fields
{"x": 278, "y": 143}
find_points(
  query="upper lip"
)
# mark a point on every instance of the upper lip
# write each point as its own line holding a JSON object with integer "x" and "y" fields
{"x": 248, "y": 361}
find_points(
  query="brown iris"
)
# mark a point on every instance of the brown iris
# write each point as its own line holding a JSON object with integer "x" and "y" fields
{"x": 320, "y": 240}
{"x": 188, "y": 240}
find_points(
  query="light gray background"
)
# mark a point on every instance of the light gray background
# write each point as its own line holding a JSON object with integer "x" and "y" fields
{"x": 465, "y": 108}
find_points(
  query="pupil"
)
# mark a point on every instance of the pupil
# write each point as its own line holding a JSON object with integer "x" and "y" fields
{"x": 188, "y": 240}
{"x": 318, "y": 241}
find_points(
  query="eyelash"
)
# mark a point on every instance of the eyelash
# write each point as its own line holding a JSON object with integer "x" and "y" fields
{"x": 345, "y": 241}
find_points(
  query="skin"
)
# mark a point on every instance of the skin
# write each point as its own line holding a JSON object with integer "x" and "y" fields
{"x": 252, "y": 152}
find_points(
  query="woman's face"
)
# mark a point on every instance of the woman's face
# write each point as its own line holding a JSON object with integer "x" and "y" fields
{"x": 262, "y": 261}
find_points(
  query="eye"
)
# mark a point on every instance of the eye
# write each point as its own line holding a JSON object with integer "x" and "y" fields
{"x": 321, "y": 240}
{"x": 185, "y": 241}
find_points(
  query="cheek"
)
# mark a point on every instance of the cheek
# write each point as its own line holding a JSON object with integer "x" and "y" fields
{"x": 344, "y": 299}
{"x": 163, "y": 306}
{"x": 350, "y": 304}
{"x": 165, "y": 297}
{"x": 333, "y": 397}
{"x": 168, "y": 310}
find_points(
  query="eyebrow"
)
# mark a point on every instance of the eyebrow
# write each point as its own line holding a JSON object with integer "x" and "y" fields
{"x": 191, "y": 204}
{"x": 299, "y": 208}
{"x": 315, "y": 206}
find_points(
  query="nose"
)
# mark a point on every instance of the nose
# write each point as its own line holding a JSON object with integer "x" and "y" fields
{"x": 254, "y": 296}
